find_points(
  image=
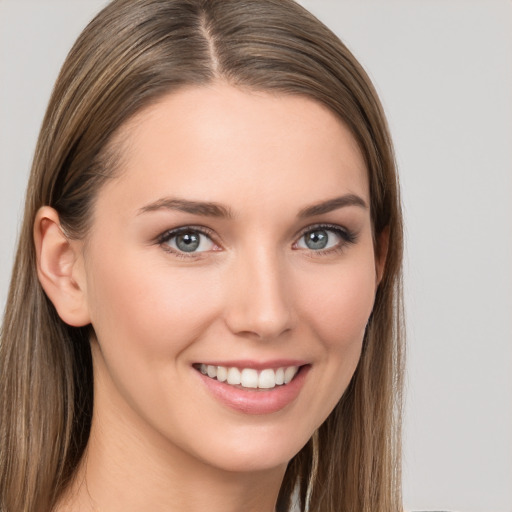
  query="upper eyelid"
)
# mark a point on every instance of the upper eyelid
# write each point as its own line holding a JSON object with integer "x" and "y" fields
{"x": 169, "y": 233}
{"x": 326, "y": 226}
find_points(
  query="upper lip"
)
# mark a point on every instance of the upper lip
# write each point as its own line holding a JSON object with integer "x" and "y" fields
{"x": 256, "y": 365}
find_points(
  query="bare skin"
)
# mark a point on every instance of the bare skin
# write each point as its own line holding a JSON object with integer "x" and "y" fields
{"x": 237, "y": 233}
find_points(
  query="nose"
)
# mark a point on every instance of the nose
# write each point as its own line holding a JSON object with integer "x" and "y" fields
{"x": 259, "y": 297}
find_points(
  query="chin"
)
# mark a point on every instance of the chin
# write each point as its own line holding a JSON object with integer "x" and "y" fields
{"x": 256, "y": 458}
{"x": 254, "y": 450}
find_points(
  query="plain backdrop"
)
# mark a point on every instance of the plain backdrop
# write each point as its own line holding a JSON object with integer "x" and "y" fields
{"x": 444, "y": 73}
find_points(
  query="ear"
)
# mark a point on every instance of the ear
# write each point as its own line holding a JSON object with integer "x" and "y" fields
{"x": 381, "y": 253}
{"x": 60, "y": 268}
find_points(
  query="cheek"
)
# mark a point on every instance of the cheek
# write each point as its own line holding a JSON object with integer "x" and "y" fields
{"x": 337, "y": 312}
{"x": 148, "y": 308}
{"x": 340, "y": 304}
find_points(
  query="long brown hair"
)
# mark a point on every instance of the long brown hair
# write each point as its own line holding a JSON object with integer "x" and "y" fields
{"x": 129, "y": 56}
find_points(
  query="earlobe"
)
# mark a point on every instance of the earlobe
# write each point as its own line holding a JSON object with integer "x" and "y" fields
{"x": 60, "y": 268}
{"x": 381, "y": 253}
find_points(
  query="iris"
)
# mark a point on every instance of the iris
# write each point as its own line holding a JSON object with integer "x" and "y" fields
{"x": 316, "y": 240}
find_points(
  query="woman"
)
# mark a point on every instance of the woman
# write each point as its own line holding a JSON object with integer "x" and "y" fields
{"x": 213, "y": 232}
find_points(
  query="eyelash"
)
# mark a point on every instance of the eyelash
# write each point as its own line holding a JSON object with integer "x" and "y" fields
{"x": 348, "y": 237}
{"x": 167, "y": 236}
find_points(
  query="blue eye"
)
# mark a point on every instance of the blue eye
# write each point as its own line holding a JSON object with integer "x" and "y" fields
{"x": 188, "y": 240}
{"x": 324, "y": 238}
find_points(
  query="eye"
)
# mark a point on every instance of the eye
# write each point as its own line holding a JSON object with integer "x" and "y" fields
{"x": 187, "y": 240}
{"x": 322, "y": 238}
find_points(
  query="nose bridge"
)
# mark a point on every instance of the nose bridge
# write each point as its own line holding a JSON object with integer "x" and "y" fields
{"x": 260, "y": 300}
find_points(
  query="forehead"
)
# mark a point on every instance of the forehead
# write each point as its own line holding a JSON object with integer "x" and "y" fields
{"x": 222, "y": 143}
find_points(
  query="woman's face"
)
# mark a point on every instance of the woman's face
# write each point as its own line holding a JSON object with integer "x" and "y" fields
{"x": 236, "y": 241}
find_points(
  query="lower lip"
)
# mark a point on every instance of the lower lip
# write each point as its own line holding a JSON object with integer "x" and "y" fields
{"x": 256, "y": 401}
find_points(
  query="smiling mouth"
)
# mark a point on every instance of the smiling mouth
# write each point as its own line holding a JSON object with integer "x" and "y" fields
{"x": 249, "y": 378}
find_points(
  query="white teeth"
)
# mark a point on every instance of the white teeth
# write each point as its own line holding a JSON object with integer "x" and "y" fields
{"x": 233, "y": 376}
{"x": 222, "y": 373}
{"x": 267, "y": 379}
{"x": 249, "y": 377}
{"x": 289, "y": 373}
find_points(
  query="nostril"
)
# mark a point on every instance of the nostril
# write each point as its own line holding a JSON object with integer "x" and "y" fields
{"x": 262, "y": 326}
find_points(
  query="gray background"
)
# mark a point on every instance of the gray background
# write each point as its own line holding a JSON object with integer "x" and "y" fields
{"x": 444, "y": 72}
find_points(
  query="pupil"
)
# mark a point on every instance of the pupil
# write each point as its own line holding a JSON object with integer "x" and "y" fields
{"x": 187, "y": 242}
{"x": 317, "y": 240}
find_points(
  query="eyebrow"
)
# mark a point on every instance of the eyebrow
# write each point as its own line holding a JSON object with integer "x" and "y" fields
{"x": 211, "y": 209}
{"x": 207, "y": 209}
{"x": 332, "y": 204}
